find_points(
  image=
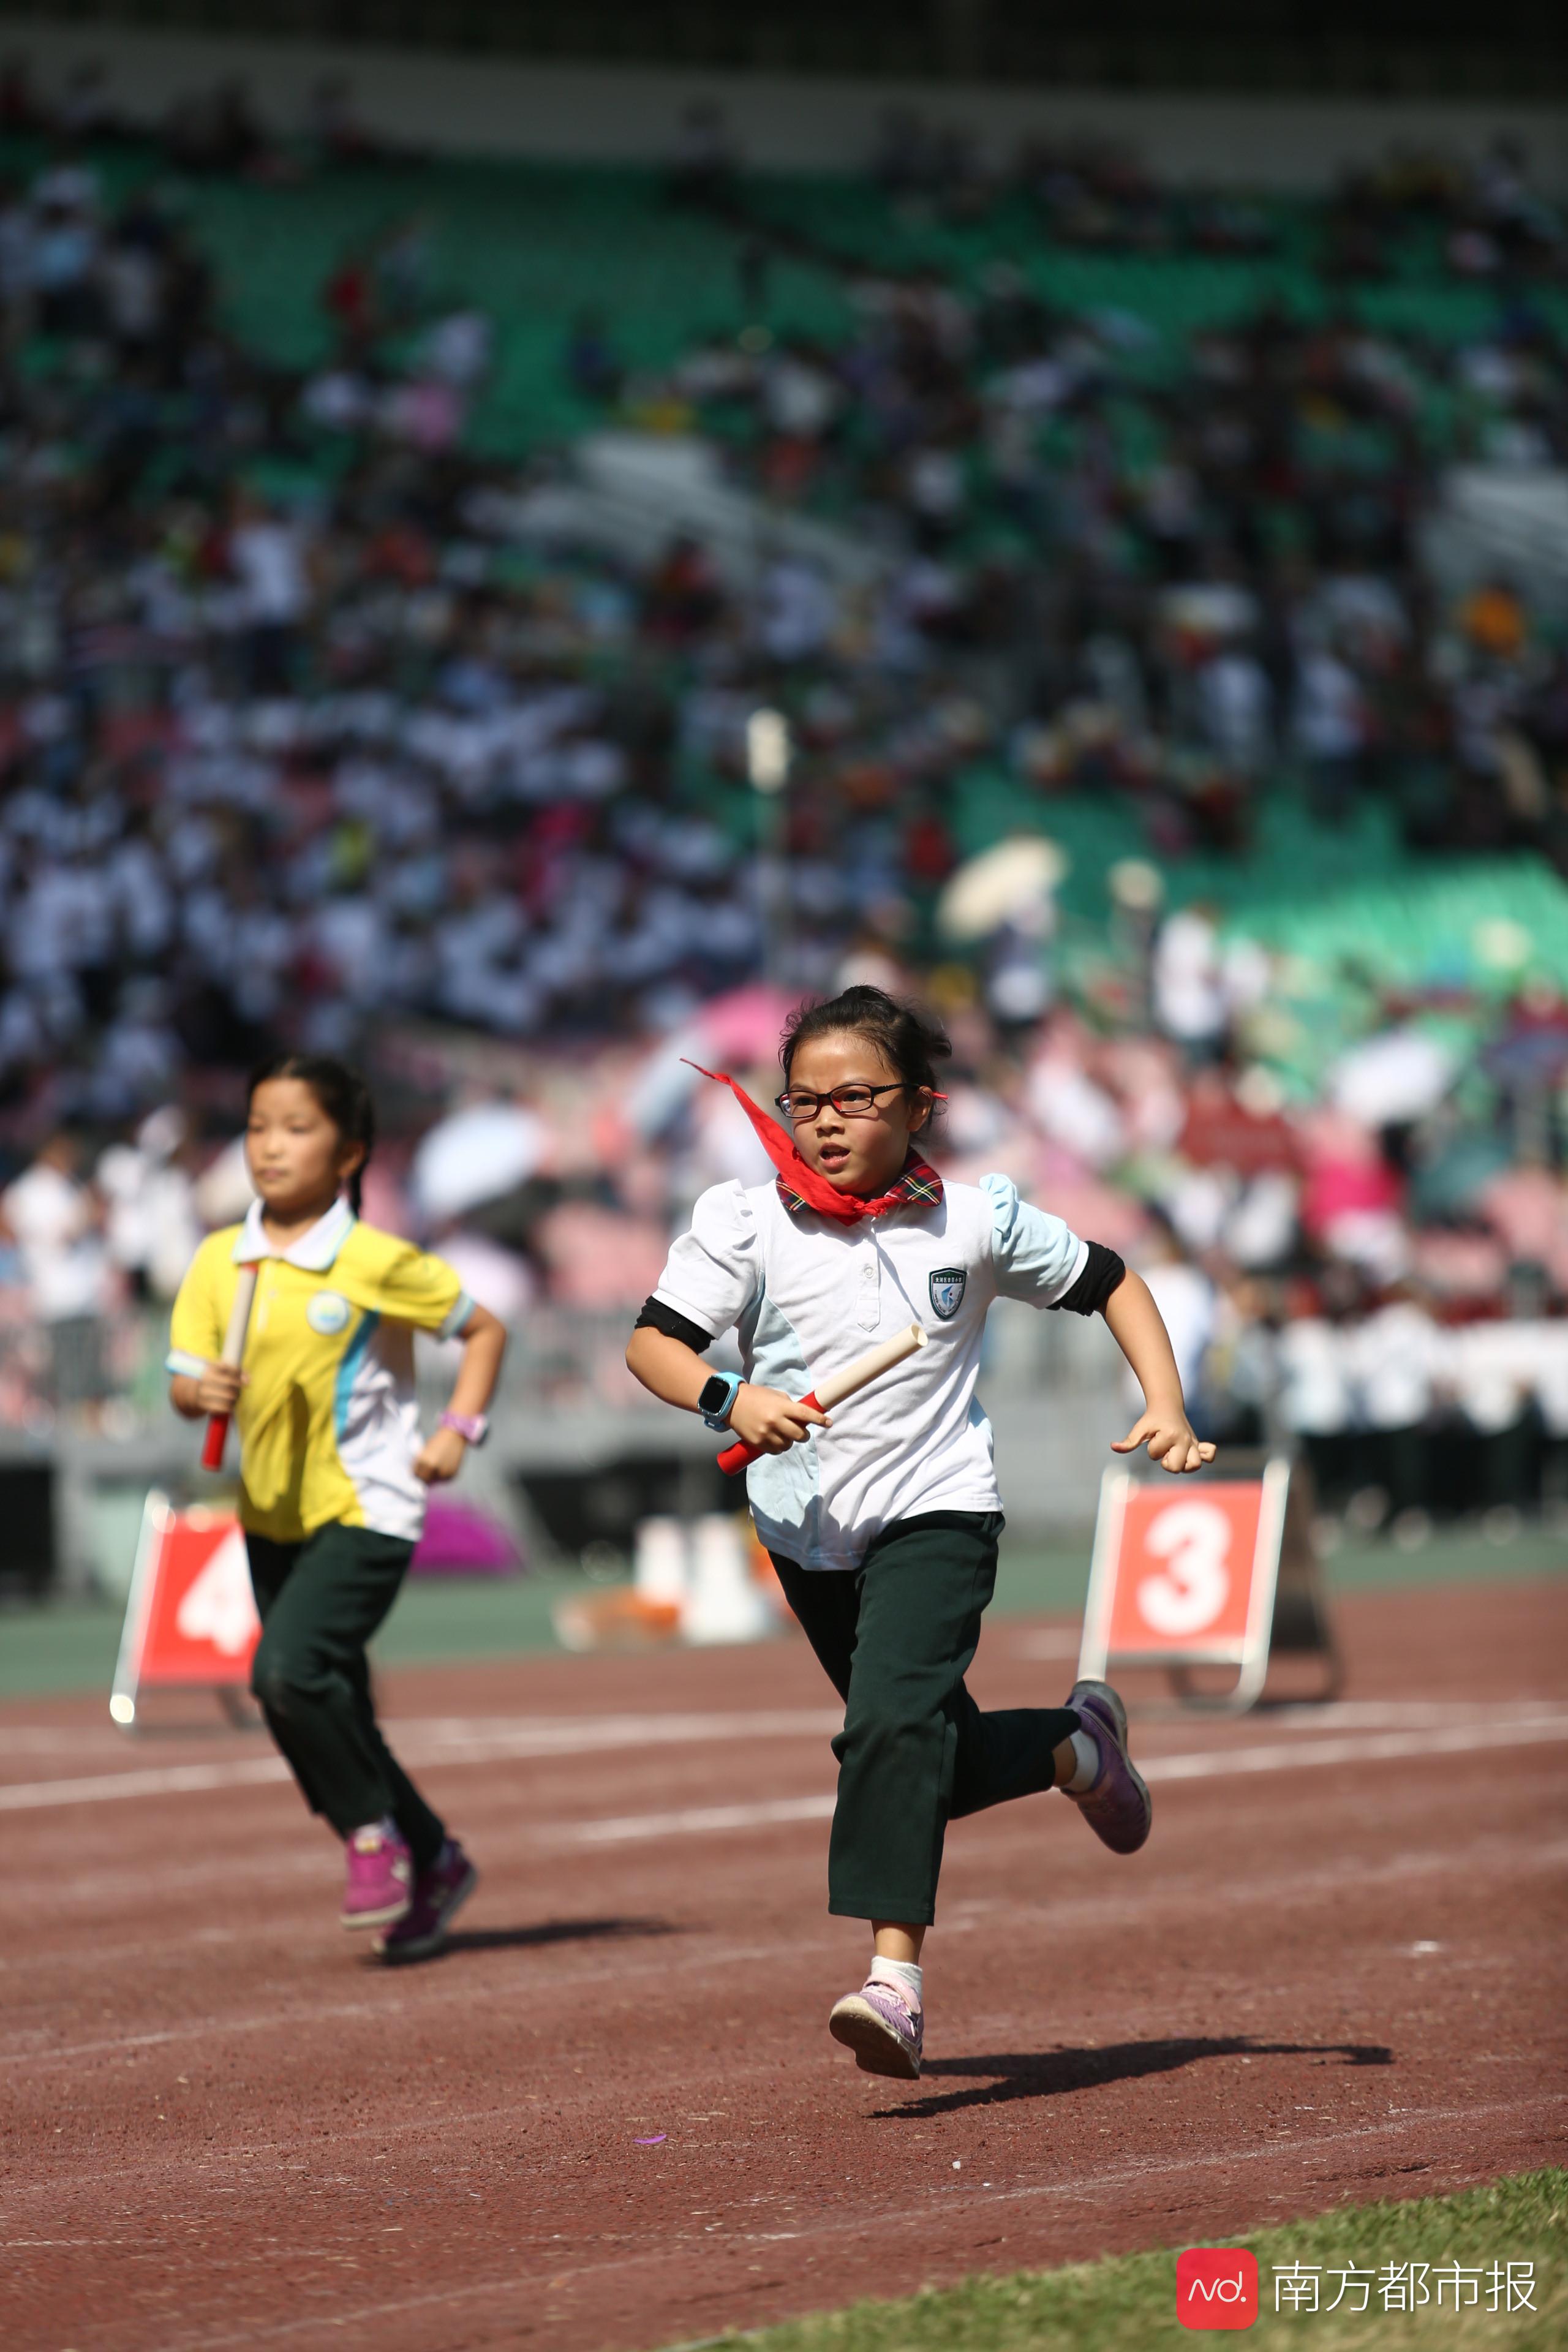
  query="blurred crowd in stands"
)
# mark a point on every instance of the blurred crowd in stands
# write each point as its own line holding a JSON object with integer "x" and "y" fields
{"x": 366, "y": 770}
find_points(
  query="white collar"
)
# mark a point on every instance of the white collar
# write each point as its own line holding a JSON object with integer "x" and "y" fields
{"x": 313, "y": 1252}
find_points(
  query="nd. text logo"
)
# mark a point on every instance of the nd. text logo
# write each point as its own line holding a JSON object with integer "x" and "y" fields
{"x": 1216, "y": 2286}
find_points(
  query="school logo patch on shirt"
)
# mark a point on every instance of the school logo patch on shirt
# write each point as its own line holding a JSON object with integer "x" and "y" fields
{"x": 328, "y": 1312}
{"x": 947, "y": 1290}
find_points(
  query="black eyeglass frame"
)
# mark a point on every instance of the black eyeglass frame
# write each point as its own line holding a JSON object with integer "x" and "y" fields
{"x": 894, "y": 1086}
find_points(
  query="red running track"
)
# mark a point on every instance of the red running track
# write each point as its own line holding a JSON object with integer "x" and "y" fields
{"x": 1336, "y": 1971}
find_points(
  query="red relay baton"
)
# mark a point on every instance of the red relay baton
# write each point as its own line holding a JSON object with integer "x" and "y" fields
{"x": 232, "y": 1350}
{"x": 835, "y": 1387}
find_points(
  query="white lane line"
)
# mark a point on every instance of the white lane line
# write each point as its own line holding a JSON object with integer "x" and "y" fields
{"x": 693, "y": 1821}
{"x": 1047, "y": 1641}
{"x": 59, "y": 1738}
{"x": 1148, "y": 2167}
{"x": 592, "y": 1735}
{"x": 1456, "y": 1740}
{"x": 199, "y": 2029}
{"x": 1207, "y": 1764}
{"x": 605, "y": 1735}
{"x": 441, "y": 1741}
{"x": 1399, "y": 1714}
{"x": 435, "y": 1737}
{"x": 1494, "y": 1854}
{"x": 167, "y": 1781}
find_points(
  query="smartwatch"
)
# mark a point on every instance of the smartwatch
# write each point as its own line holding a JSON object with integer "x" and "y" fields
{"x": 717, "y": 1401}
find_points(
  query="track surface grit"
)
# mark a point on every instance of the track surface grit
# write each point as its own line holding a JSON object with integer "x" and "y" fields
{"x": 611, "y": 2115}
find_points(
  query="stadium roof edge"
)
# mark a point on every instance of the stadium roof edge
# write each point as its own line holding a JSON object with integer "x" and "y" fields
{"x": 462, "y": 102}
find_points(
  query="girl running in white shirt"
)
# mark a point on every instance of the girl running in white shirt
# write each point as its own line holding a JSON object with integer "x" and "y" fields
{"x": 884, "y": 1525}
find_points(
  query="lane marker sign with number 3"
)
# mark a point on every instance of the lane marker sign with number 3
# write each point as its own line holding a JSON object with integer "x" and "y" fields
{"x": 1194, "y": 1539}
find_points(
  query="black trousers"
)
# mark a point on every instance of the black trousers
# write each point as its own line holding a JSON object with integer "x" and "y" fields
{"x": 319, "y": 1602}
{"x": 896, "y": 1636}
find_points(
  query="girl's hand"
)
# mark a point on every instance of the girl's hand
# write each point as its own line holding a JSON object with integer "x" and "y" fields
{"x": 217, "y": 1390}
{"x": 1170, "y": 1440}
{"x": 440, "y": 1457}
{"x": 771, "y": 1421}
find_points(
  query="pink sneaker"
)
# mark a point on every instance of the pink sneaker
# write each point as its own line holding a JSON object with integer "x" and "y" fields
{"x": 1119, "y": 1808}
{"x": 882, "y": 2027}
{"x": 439, "y": 1893}
{"x": 381, "y": 1873}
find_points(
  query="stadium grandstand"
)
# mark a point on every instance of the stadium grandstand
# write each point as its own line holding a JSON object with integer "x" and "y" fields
{"x": 1388, "y": 51}
{"x": 1152, "y": 578}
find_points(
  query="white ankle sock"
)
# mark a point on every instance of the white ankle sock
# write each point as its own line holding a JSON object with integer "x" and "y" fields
{"x": 1087, "y": 1765}
{"x": 905, "y": 1974}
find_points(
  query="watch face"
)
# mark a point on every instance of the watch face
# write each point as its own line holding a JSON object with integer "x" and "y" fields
{"x": 715, "y": 1394}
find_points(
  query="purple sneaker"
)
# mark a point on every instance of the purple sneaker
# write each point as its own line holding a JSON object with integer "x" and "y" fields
{"x": 381, "y": 1873}
{"x": 881, "y": 2028}
{"x": 439, "y": 1893}
{"x": 1119, "y": 1808}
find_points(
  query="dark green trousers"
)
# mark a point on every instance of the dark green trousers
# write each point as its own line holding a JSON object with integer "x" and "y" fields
{"x": 319, "y": 1602}
{"x": 897, "y": 1637}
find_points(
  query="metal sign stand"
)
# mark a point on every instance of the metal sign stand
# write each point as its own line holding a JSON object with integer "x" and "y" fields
{"x": 1286, "y": 1612}
{"x": 125, "y": 1703}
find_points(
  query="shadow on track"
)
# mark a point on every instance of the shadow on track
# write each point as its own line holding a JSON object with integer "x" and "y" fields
{"x": 1046, "y": 2073}
{"x": 542, "y": 1933}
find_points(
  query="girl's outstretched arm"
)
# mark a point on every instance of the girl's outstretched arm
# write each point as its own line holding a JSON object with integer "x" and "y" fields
{"x": 1140, "y": 1334}
{"x": 484, "y": 1344}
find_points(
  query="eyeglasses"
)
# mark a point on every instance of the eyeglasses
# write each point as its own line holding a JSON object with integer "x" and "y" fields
{"x": 849, "y": 1102}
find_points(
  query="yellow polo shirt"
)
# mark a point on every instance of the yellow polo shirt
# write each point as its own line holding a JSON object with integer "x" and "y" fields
{"x": 328, "y": 1422}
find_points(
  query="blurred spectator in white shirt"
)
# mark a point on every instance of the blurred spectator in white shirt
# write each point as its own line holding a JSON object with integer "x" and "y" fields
{"x": 1332, "y": 730}
{"x": 1393, "y": 1355}
{"x": 1188, "y": 979}
{"x": 798, "y": 611}
{"x": 57, "y": 1224}
{"x": 1189, "y": 1307}
{"x": 268, "y": 554}
{"x": 1237, "y": 705}
{"x": 1315, "y": 1397}
{"x": 153, "y": 1229}
{"x": 54, "y": 1219}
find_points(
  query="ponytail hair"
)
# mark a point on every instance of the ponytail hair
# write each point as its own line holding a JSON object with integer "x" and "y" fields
{"x": 342, "y": 1094}
{"x": 909, "y": 1040}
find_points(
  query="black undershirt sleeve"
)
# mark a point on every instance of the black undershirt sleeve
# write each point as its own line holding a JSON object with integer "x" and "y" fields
{"x": 1102, "y": 1270}
{"x": 656, "y": 1317}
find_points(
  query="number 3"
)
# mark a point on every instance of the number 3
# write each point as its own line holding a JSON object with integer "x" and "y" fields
{"x": 1194, "y": 1539}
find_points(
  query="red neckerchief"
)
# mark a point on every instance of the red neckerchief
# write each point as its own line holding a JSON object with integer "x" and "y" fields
{"x": 802, "y": 1186}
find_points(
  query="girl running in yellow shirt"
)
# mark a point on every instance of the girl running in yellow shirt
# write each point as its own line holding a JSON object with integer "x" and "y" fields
{"x": 333, "y": 1475}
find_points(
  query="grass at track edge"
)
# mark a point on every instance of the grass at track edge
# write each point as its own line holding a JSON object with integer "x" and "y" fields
{"x": 1127, "y": 2302}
